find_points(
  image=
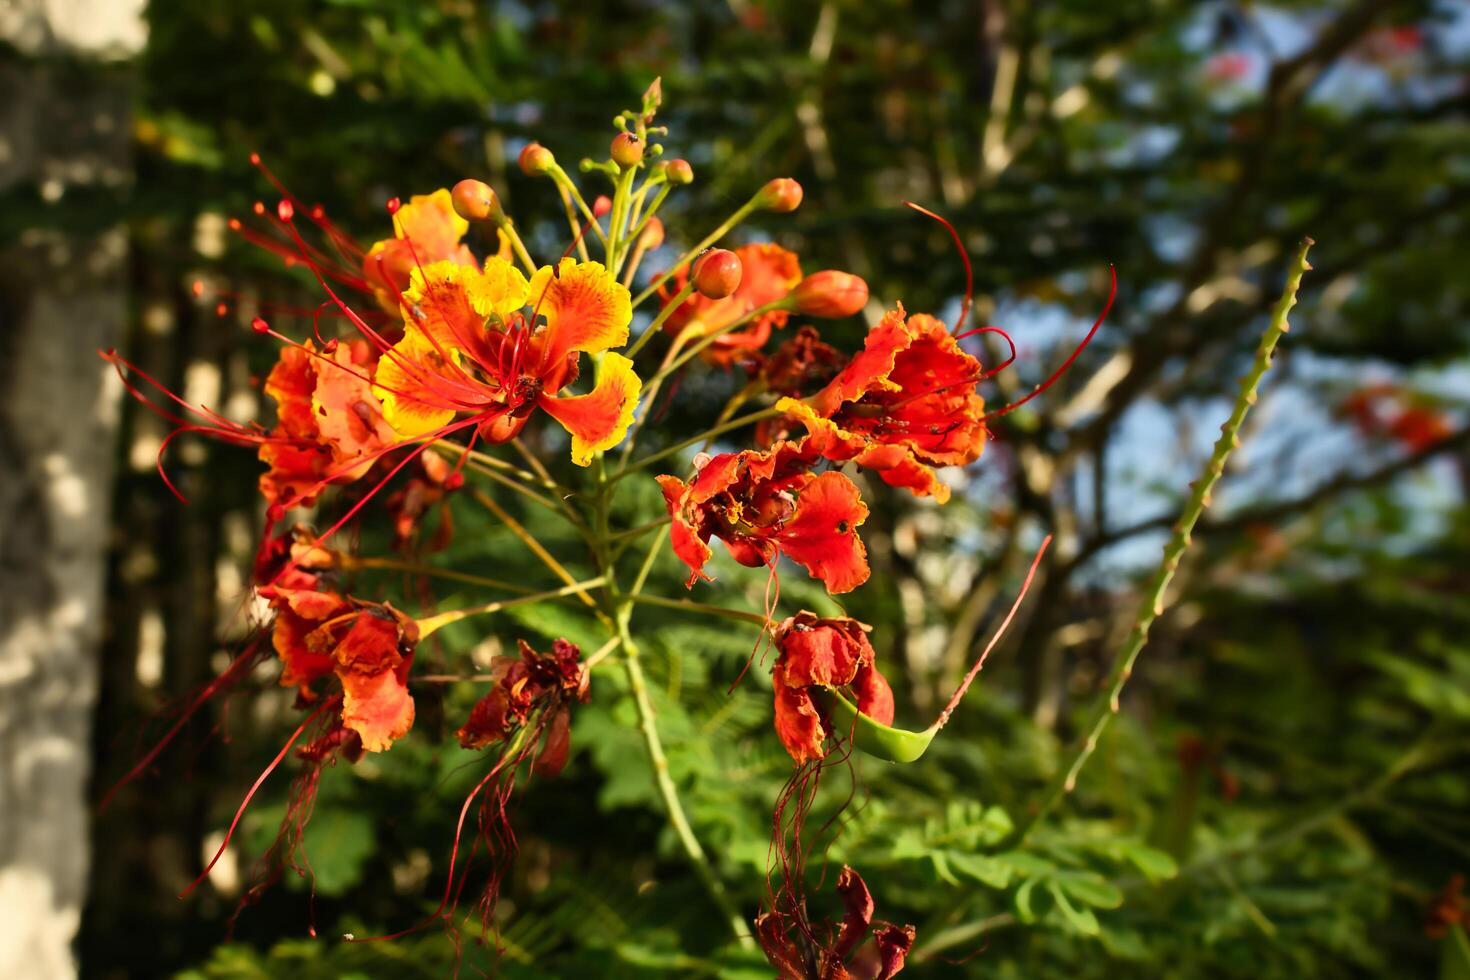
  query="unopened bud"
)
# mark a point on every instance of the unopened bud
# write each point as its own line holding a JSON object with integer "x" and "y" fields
{"x": 601, "y": 205}
{"x": 475, "y": 200}
{"x": 652, "y": 235}
{"x": 830, "y": 294}
{"x": 781, "y": 195}
{"x": 717, "y": 273}
{"x": 678, "y": 172}
{"x": 536, "y": 160}
{"x": 627, "y": 150}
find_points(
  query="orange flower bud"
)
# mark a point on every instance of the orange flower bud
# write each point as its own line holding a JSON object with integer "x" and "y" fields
{"x": 830, "y": 294}
{"x": 717, "y": 273}
{"x": 678, "y": 172}
{"x": 536, "y": 160}
{"x": 475, "y": 200}
{"x": 627, "y": 150}
{"x": 652, "y": 236}
{"x": 781, "y": 195}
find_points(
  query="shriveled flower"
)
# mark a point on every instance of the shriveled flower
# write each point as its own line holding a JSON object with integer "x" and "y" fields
{"x": 769, "y": 274}
{"x": 538, "y": 688}
{"x": 369, "y": 647}
{"x": 767, "y": 504}
{"x": 818, "y": 652}
{"x": 471, "y": 347}
{"x": 904, "y": 404}
{"x": 798, "y": 954}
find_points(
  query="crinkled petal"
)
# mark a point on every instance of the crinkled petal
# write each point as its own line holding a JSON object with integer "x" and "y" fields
{"x": 798, "y": 723}
{"x": 349, "y": 415}
{"x": 585, "y": 307}
{"x": 377, "y": 706}
{"x": 690, "y": 547}
{"x": 874, "y": 696}
{"x": 599, "y": 419}
{"x": 822, "y": 534}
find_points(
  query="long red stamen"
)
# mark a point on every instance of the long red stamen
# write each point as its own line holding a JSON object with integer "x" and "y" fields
{"x": 964, "y": 257}
{"x": 1112, "y": 294}
{"x": 259, "y": 780}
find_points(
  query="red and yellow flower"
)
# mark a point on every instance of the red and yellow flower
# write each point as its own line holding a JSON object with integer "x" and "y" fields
{"x": 767, "y": 504}
{"x": 904, "y": 404}
{"x": 474, "y": 345}
{"x": 817, "y": 652}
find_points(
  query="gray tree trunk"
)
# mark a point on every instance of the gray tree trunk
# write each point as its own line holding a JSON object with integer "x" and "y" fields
{"x": 64, "y": 130}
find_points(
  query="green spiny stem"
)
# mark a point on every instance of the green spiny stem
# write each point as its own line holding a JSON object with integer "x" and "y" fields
{"x": 1154, "y": 599}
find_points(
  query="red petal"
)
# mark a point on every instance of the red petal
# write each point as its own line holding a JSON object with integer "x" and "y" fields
{"x": 858, "y": 902}
{"x": 822, "y": 535}
{"x": 798, "y": 723}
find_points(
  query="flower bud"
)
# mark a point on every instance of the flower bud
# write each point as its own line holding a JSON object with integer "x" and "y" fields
{"x": 601, "y": 205}
{"x": 627, "y": 150}
{"x": 475, "y": 200}
{"x": 678, "y": 172}
{"x": 536, "y": 160}
{"x": 781, "y": 195}
{"x": 652, "y": 236}
{"x": 717, "y": 273}
{"x": 830, "y": 294}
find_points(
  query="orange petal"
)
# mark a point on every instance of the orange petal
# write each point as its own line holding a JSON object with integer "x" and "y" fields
{"x": 349, "y": 416}
{"x": 377, "y": 706}
{"x": 430, "y": 222}
{"x": 586, "y": 309}
{"x": 599, "y": 419}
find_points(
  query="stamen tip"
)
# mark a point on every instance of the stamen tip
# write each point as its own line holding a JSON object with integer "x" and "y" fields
{"x": 260, "y": 326}
{"x": 393, "y": 205}
{"x": 285, "y": 210}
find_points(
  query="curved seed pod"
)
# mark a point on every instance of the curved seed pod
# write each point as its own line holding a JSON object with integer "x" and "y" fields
{"x": 877, "y": 740}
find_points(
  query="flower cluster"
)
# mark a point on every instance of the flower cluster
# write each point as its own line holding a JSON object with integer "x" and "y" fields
{"x": 463, "y": 375}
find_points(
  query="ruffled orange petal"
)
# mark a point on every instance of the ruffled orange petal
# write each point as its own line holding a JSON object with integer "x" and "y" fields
{"x": 692, "y": 549}
{"x": 798, "y": 723}
{"x": 599, "y": 419}
{"x": 430, "y": 222}
{"x": 377, "y": 706}
{"x": 290, "y": 383}
{"x": 896, "y": 464}
{"x": 349, "y": 416}
{"x": 585, "y": 307}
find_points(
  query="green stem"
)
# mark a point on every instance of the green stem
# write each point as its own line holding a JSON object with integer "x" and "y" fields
{"x": 735, "y": 423}
{"x": 1154, "y": 599}
{"x": 710, "y": 338}
{"x": 565, "y": 183}
{"x": 518, "y": 246}
{"x": 431, "y": 624}
{"x": 702, "y": 608}
{"x": 669, "y": 792}
{"x": 619, "y": 214}
{"x": 741, "y": 213}
{"x": 658, "y": 321}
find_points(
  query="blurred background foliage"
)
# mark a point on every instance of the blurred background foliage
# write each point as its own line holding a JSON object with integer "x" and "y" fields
{"x": 1286, "y": 789}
